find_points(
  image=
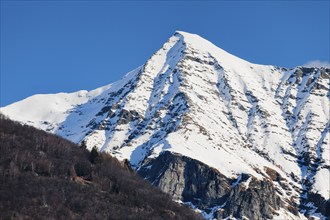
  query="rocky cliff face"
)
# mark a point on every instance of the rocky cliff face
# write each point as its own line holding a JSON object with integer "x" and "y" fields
{"x": 186, "y": 179}
{"x": 204, "y": 187}
{"x": 194, "y": 99}
{"x": 258, "y": 200}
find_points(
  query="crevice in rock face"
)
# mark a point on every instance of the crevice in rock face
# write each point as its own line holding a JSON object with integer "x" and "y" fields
{"x": 194, "y": 182}
{"x": 322, "y": 205}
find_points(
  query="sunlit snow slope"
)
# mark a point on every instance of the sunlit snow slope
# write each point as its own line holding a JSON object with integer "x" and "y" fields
{"x": 196, "y": 99}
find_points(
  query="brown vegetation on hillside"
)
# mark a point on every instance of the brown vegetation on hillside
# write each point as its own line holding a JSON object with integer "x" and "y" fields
{"x": 43, "y": 176}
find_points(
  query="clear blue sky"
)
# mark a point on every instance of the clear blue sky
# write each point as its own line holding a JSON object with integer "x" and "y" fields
{"x": 65, "y": 46}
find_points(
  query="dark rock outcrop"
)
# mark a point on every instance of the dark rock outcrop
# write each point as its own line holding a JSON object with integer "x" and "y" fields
{"x": 257, "y": 201}
{"x": 323, "y": 206}
{"x": 186, "y": 179}
{"x": 127, "y": 116}
{"x": 192, "y": 181}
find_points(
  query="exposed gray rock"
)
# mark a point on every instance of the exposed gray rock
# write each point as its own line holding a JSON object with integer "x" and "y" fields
{"x": 192, "y": 181}
{"x": 127, "y": 116}
{"x": 257, "y": 201}
{"x": 186, "y": 179}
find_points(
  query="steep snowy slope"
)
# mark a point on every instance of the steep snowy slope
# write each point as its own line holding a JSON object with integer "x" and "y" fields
{"x": 194, "y": 99}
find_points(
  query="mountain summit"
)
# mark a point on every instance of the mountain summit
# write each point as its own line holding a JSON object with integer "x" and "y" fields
{"x": 246, "y": 129}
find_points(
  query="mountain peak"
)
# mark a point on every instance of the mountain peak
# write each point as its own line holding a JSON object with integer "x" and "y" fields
{"x": 195, "y": 99}
{"x": 201, "y": 45}
{"x": 187, "y": 35}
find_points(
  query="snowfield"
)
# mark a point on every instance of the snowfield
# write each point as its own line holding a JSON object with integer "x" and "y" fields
{"x": 194, "y": 98}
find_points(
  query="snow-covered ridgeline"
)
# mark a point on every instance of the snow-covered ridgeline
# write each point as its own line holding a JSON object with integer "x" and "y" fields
{"x": 194, "y": 98}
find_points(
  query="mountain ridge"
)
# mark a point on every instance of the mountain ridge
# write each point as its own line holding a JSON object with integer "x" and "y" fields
{"x": 198, "y": 100}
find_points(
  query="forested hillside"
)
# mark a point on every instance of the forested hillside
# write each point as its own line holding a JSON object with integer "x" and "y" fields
{"x": 43, "y": 176}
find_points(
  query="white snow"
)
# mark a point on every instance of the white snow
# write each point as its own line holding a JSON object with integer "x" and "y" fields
{"x": 322, "y": 181}
{"x": 194, "y": 98}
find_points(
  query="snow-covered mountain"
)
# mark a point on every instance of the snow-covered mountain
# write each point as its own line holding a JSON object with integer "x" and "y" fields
{"x": 193, "y": 99}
